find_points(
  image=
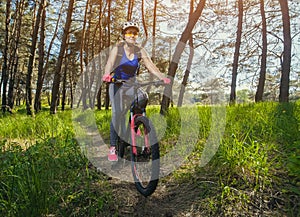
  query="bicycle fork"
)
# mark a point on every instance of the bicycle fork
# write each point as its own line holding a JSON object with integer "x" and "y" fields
{"x": 146, "y": 145}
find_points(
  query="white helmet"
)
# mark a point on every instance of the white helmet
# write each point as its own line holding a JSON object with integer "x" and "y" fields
{"x": 128, "y": 24}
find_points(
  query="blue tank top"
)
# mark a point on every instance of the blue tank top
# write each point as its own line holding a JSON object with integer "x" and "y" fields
{"x": 126, "y": 68}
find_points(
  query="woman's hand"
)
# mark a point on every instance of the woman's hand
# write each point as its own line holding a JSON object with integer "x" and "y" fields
{"x": 166, "y": 80}
{"x": 107, "y": 78}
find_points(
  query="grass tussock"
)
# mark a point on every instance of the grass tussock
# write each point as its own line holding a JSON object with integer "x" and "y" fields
{"x": 256, "y": 170}
{"x": 43, "y": 171}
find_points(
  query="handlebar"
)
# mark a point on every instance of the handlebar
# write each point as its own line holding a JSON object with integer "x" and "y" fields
{"x": 136, "y": 83}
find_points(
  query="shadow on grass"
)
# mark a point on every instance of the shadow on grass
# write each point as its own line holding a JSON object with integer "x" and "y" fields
{"x": 287, "y": 126}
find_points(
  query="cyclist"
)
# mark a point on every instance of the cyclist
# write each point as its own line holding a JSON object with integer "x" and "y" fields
{"x": 123, "y": 63}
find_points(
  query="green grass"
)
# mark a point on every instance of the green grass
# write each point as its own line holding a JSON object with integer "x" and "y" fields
{"x": 257, "y": 166}
{"x": 49, "y": 174}
{"x": 254, "y": 171}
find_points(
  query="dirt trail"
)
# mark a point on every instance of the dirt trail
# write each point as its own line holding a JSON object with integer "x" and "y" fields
{"x": 169, "y": 200}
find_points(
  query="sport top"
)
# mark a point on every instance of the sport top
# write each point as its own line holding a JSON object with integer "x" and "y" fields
{"x": 126, "y": 69}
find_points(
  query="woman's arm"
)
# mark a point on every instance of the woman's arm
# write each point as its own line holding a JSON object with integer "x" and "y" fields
{"x": 111, "y": 61}
{"x": 150, "y": 65}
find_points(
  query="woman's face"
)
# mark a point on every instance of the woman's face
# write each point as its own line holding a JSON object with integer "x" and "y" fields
{"x": 130, "y": 35}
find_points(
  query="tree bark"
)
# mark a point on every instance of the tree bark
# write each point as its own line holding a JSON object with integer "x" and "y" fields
{"x": 64, "y": 82}
{"x": 153, "y": 53}
{"x": 83, "y": 61}
{"x": 178, "y": 51}
{"x": 189, "y": 63}
{"x": 15, "y": 56}
{"x": 4, "y": 66}
{"x": 263, "y": 65}
{"x": 41, "y": 50}
{"x": 45, "y": 68}
{"x": 57, "y": 75}
{"x": 286, "y": 62}
{"x": 237, "y": 52}
{"x": 143, "y": 19}
{"x": 130, "y": 9}
{"x": 108, "y": 39}
{"x": 99, "y": 92}
{"x": 31, "y": 59}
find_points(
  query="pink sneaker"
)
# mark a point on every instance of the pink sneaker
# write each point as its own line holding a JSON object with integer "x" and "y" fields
{"x": 112, "y": 156}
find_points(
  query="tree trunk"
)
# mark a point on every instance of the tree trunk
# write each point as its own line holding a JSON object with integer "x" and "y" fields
{"x": 4, "y": 66}
{"x": 99, "y": 93}
{"x": 31, "y": 59}
{"x": 286, "y": 62}
{"x": 237, "y": 52}
{"x": 64, "y": 82}
{"x": 178, "y": 51}
{"x": 57, "y": 73}
{"x": 93, "y": 91}
{"x": 108, "y": 39}
{"x": 189, "y": 63}
{"x": 83, "y": 44}
{"x": 153, "y": 54}
{"x": 130, "y": 9}
{"x": 263, "y": 66}
{"x": 186, "y": 73}
{"x": 143, "y": 20}
{"x": 15, "y": 56}
{"x": 41, "y": 50}
{"x": 71, "y": 90}
{"x": 154, "y": 31}
{"x": 45, "y": 68}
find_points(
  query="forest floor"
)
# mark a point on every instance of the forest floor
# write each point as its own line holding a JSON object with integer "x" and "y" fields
{"x": 169, "y": 200}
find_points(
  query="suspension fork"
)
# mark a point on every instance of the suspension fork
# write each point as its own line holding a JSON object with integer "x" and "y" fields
{"x": 132, "y": 129}
{"x": 132, "y": 132}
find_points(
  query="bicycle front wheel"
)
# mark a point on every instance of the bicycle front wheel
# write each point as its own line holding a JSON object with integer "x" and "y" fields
{"x": 144, "y": 156}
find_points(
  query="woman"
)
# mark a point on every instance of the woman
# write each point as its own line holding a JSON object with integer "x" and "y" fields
{"x": 125, "y": 67}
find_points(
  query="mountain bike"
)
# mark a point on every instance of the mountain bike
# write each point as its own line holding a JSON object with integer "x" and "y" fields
{"x": 144, "y": 147}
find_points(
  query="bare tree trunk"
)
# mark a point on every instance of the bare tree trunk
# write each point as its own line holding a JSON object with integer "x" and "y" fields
{"x": 108, "y": 33}
{"x": 64, "y": 82}
{"x": 93, "y": 74}
{"x": 286, "y": 62}
{"x": 71, "y": 90}
{"x": 237, "y": 52}
{"x": 153, "y": 54}
{"x": 186, "y": 73}
{"x": 130, "y": 9}
{"x": 178, "y": 51}
{"x": 46, "y": 60}
{"x": 15, "y": 56}
{"x": 263, "y": 66}
{"x": 4, "y": 66}
{"x": 57, "y": 75}
{"x": 89, "y": 74}
{"x": 154, "y": 30}
{"x": 99, "y": 93}
{"x": 143, "y": 19}
{"x": 83, "y": 60}
{"x": 31, "y": 59}
{"x": 41, "y": 50}
{"x": 189, "y": 63}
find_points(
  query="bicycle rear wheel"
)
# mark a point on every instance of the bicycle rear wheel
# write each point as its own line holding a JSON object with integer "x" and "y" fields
{"x": 144, "y": 156}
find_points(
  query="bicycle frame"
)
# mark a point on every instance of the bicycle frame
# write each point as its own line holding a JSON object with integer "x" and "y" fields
{"x": 132, "y": 128}
{"x": 136, "y": 85}
{"x": 145, "y": 182}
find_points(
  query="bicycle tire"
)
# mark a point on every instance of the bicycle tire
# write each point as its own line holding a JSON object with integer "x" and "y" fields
{"x": 138, "y": 159}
